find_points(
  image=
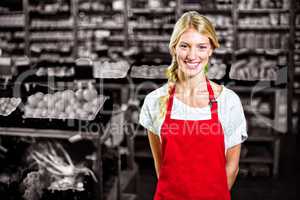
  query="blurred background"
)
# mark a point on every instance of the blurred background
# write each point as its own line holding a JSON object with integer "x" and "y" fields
{"x": 74, "y": 74}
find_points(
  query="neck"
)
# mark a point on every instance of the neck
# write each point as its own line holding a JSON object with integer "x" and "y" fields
{"x": 192, "y": 85}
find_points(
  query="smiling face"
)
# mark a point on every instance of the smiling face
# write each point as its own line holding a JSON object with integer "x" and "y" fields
{"x": 192, "y": 53}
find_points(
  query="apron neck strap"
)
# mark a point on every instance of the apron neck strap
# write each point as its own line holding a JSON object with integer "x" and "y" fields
{"x": 212, "y": 101}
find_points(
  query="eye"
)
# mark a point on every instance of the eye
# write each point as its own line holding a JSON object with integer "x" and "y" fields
{"x": 183, "y": 46}
{"x": 202, "y": 47}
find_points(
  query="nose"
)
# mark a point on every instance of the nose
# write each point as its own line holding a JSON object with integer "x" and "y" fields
{"x": 191, "y": 54}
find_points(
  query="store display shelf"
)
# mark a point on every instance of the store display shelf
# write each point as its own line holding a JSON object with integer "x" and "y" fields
{"x": 260, "y": 51}
{"x": 258, "y": 138}
{"x": 223, "y": 51}
{"x": 151, "y": 38}
{"x": 297, "y": 51}
{"x": 153, "y": 26}
{"x": 200, "y": 9}
{"x": 247, "y": 89}
{"x": 11, "y": 26}
{"x": 56, "y": 39}
{"x": 117, "y": 38}
{"x": 44, "y": 133}
{"x": 44, "y": 12}
{"x": 53, "y": 60}
{"x": 98, "y": 12}
{"x": 263, "y": 28}
{"x": 263, "y": 10}
{"x": 6, "y": 12}
{"x": 166, "y": 10}
{"x": 49, "y": 28}
{"x": 98, "y": 27}
{"x": 257, "y": 159}
{"x": 298, "y": 27}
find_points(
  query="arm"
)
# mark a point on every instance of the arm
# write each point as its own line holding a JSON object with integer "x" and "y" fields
{"x": 232, "y": 164}
{"x": 155, "y": 146}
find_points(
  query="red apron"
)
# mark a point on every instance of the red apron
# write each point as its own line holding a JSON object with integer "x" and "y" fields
{"x": 193, "y": 157}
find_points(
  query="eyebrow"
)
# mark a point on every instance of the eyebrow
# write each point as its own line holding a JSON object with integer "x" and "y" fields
{"x": 182, "y": 42}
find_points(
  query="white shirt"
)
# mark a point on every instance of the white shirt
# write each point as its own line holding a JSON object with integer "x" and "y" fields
{"x": 230, "y": 112}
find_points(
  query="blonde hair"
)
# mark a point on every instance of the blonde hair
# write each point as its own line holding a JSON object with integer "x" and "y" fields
{"x": 191, "y": 19}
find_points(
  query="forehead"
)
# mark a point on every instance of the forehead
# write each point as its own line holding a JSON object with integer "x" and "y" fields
{"x": 192, "y": 36}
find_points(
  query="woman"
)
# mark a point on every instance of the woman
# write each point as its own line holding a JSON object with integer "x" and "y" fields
{"x": 195, "y": 127}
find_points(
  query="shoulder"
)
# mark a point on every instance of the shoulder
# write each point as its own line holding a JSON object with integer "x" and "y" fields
{"x": 154, "y": 95}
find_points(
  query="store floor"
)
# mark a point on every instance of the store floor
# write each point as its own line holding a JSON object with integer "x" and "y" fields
{"x": 258, "y": 188}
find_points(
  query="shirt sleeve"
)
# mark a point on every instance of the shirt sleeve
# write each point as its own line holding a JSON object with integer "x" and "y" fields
{"x": 145, "y": 118}
{"x": 237, "y": 129}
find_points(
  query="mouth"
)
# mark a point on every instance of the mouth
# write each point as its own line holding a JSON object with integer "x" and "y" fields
{"x": 192, "y": 65}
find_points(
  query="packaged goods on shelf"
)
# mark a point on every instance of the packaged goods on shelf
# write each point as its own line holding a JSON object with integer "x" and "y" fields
{"x": 53, "y": 35}
{"x": 56, "y": 71}
{"x": 263, "y": 4}
{"x": 206, "y": 4}
{"x": 254, "y": 69}
{"x": 16, "y": 20}
{"x": 220, "y": 21}
{"x": 263, "y": 40}
{"x": 106, "y": 69}
{"x": 146, "y": 71}
{"x": 63, "y": 47}
{"x": 8, "y": 105}
{"x": 269, "y": 20}
{"x": 61, "y": 23}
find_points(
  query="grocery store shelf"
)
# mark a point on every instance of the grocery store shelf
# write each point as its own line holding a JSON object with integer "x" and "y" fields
{"x": 260, "y": 138}
{"x": 251, "y": 89}
{"x": 257, "y": 159}
{"x": 11, "y": 12}
{"x": 264, "y": 28}
{"x": 97, "y": 27}
{"x": 12, "y": 26}
{"x": 261, "y": 10}
{"x": 154, "y": 26}
{"x": 47, "y": 28}
{"x": 260, "y": 51}
{"x": 166, "y": 10}
{"x": 151, "y": 38}
{"x": 42, "y": 133}
{"x": 99, "y": 11}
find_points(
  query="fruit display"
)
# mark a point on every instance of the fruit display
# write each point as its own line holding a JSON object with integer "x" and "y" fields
{"x": 8, "y": 105}
{"x": 55, "y": 71}
{"x": 106, "y": 69}
{"x": 82, "y": 104}
{"x": 149, "y": 71}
